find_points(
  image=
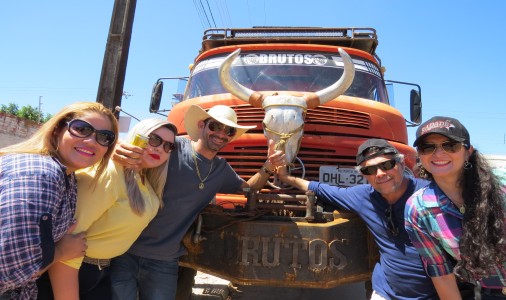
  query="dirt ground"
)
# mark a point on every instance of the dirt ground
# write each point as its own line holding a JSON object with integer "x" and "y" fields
{"x": 211, "y": 287}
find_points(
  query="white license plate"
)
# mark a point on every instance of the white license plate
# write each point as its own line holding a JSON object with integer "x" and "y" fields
{"x": 334, "y": 175}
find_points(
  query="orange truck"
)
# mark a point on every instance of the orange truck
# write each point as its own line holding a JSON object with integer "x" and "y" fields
{"x": 278, "y": 235}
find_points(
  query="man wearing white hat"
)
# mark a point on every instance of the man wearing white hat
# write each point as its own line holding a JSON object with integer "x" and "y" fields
{"x": 196, "y": 174}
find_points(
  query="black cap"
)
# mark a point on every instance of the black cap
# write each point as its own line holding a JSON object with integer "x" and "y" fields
{"x": 446, "y": 126}
{"x": 383, "y": 147}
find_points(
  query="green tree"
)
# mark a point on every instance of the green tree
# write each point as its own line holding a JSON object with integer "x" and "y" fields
{"x": 46, "y": 118}
{"x": 11, "y": 109}
{"x": 27, "y": 112}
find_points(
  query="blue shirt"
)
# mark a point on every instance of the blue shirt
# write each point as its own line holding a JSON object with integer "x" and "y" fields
{"x": 399, "y": 274}
{"x": 37, "y": 205}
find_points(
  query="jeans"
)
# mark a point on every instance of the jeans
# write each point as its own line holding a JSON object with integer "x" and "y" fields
{"x": 149, "y": 279}
{"x": 94, "y": 283}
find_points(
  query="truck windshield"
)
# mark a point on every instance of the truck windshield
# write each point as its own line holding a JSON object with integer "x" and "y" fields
{"x": 284, "y": 71}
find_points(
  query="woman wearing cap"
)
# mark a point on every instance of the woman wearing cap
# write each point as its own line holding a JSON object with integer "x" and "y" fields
{"x": 457, "y": 221}
{"x": 150, "y": 267}
{"x": 38, "y": 193}
{"x": 113, "y": 214}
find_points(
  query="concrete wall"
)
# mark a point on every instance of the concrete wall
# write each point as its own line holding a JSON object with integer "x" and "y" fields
{"x": 14, "y": 130}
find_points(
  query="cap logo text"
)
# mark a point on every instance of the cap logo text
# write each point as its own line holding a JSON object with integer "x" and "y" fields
{"x": 435, "y": 125}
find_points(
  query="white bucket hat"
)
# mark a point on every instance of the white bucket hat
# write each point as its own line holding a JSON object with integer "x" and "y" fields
{"x": 220, "y": 113}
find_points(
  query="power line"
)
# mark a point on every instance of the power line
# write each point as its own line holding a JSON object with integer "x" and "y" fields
{"x": 222, "y": 13}
{"x": 205, "y": 14}
{"x": 210, "y": 12}
{"x": 199, "y": 13}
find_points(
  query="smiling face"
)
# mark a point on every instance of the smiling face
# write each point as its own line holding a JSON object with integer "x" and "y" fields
{"x": 441, "y": 163}
{"x": 76, "y": 152}
{"x": 156, "y": 156}
{"x": 213, "y": 140}
{"x": 391, "y": 184}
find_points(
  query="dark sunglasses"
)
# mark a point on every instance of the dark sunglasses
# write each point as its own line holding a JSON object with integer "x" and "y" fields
{"x": 392, "y": 228}
{"x": 384, "y": 166}
{"x": 215, "y": 126}
{"x": 448, "y": 147}
{"x": 155, "y": 140}
{"x": 83, "y": 129}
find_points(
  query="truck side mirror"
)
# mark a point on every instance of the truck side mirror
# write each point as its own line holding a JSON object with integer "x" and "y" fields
{"x": 415, "y": 107}
{"x": 156, "y": 97}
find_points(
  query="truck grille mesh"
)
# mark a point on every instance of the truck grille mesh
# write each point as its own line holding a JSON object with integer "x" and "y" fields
{"x": 252, "y": 157}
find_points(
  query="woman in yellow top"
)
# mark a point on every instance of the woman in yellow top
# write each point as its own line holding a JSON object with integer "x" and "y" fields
{"x": 113, "y": 214}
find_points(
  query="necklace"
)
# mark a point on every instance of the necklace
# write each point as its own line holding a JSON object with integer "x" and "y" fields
{"x": 201, "y": 184}
{"x": 462, "y": 208}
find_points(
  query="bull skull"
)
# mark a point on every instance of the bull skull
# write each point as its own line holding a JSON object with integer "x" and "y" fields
{"x": 285, "y": 114}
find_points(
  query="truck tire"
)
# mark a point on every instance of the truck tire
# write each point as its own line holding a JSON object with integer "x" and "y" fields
{"x": 185, "y": 282}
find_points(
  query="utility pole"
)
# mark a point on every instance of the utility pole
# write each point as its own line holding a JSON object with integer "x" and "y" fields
{"x": 40, "y": 103}
{"x": 112, "y": 78}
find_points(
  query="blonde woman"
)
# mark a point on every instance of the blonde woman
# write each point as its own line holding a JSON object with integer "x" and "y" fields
{"x": 113, "y": 214}
{"x": 38, "y": 193}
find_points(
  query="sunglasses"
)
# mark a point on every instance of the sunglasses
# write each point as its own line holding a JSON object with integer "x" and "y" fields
{"x": 383, "y": 166}
{"x": 392, "y": 229}
{"x": 155, "y": 141}
{"x": 216, "y": 126}
{"x": 82, "y": 129}
{"x": 448, "y": 147}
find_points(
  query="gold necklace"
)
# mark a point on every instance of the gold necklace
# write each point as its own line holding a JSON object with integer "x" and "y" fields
{"x": 201, "y": 184}
{"x": 462, "y": 208}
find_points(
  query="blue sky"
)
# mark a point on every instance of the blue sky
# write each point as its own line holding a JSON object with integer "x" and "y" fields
{"x": 456, "y": 50}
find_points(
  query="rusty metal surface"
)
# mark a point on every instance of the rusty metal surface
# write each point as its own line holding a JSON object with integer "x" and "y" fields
{"x": 282, "y": 251}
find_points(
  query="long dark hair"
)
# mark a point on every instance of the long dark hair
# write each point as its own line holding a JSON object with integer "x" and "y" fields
{"x": 483, "y": 241}
{"x": 482, "y": 245}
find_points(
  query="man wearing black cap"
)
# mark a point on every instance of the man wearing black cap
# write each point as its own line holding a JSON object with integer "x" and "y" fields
{"x": 399, "y": 274}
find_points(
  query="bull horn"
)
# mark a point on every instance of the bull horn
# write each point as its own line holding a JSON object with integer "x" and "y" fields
{"x": 232, "y": 86}
{"x": 340, "y": 86}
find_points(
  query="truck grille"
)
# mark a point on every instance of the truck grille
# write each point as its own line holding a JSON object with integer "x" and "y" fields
{"x": 329, "y": 116}
{"x": 252, "y": 157}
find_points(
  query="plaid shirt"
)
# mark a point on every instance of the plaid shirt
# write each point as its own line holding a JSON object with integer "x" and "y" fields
{"x": 434, "y": 225}
{"x": 37, "y": 205}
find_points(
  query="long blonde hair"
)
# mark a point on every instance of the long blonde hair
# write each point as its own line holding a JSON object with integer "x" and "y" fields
{"x": 155, "y": 176}
{"x": 45, "y": 140}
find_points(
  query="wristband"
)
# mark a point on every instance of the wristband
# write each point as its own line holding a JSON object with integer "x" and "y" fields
{"x": 267, "y": 171}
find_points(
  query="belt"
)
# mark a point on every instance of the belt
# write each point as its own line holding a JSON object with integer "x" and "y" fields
{"x": 496, "y": 292}
{"x": 100, "y": 263}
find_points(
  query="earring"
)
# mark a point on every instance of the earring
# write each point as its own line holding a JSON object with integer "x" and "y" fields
{"x": 57, "y": 145}
{"x": 467, "y": 165}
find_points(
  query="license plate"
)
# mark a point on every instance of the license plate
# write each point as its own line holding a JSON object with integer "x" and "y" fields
{"x": 334, "y": 175}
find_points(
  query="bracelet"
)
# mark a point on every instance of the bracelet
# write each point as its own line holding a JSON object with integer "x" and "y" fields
{"x": 267, "y": 171}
